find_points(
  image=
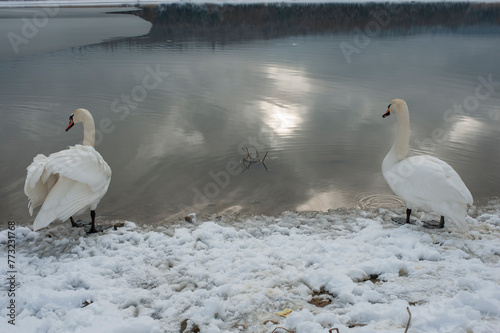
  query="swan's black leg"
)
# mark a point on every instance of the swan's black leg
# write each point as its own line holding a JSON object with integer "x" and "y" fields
{"x": 434, "y": 224}
{"x": 400, "y": 220}
{"x": 92, "y": 227}
{"x": 73, "y": 223}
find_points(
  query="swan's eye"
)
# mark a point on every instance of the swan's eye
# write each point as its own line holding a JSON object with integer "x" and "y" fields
{"x": 389, "y": 106}
{"x": 71, "y": 117}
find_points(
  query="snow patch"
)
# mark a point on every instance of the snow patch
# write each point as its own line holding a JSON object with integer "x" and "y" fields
{"x": 233, "y": 274}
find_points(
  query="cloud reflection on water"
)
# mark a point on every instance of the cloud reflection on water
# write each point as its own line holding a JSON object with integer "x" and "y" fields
{"x": 286, "y": 109}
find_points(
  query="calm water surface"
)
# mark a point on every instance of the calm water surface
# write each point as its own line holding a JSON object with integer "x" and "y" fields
{"x": 173, "y": 115}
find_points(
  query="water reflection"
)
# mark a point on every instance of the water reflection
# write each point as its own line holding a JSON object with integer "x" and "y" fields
{"x": 284, "y": 113}
{"x": 281, "y": 118}
{"x": 322, "y": 201}
{"x": 465, "y": 131}
{"x": 319, "y": 117}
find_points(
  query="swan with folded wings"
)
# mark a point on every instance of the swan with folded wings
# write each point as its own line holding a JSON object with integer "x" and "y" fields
{"x": 422, "y": 181}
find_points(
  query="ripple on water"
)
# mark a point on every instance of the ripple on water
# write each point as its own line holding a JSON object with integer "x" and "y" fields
{"x": 377, "y": 201}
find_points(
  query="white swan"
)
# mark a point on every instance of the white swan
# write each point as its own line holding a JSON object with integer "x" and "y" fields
{"x": 423, "y": 182}
{"x": 68, "y": 182}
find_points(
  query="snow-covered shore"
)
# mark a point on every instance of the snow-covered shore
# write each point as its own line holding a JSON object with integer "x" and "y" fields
{"x": 346, "y": 269}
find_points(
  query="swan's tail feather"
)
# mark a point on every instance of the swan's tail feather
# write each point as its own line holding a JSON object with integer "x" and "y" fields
{"x": 30, "y": 207}
{"x": 457, "y": 214}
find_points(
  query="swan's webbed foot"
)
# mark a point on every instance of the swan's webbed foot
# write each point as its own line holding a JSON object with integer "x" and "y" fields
{"x": 398, "y": 220}
{"x": 100, "y": 228}
{"x": 402, "y": 220}
{"x": 434, "y": 224}
{"x": 79, "y": 223}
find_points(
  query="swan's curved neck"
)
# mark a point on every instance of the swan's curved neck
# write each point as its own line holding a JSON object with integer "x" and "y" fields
{"x": 88, "y": 130}
{"x": 399, "y": 150}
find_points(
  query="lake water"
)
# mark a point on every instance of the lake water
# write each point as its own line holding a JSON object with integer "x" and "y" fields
{"x": 176, "y": 103}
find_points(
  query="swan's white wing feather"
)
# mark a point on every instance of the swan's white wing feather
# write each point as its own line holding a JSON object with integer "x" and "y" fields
{"x": 82, "y": 164}
{"x": 428, "y": 183}
{"x": 67, "y": 198}
{"x": 65, "y": 183}
{"x": 425, "y": 178}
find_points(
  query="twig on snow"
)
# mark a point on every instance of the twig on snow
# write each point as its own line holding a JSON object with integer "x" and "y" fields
{"x": 409, "y": 319}
{"x": 282, "y": 329}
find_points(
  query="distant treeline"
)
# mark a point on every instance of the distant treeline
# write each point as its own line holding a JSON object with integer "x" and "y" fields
{"x": 274, "y": 20}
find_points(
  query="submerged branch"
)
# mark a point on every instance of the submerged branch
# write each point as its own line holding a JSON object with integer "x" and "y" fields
{"x": 249, "y": 159}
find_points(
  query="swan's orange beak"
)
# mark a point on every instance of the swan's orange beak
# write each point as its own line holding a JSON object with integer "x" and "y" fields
{"x": 71, "y": 123}
{"x": 388, "y": 113}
